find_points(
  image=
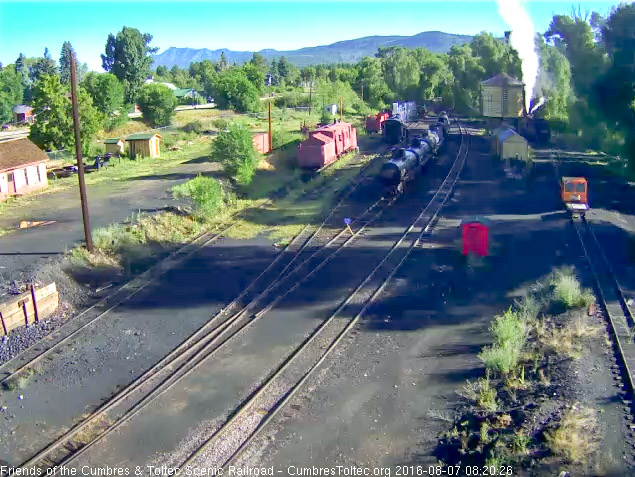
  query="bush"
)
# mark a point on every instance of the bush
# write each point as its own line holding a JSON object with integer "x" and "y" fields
{"x": 510, "y": 336}
{"x": 157, "y": 103}
{"x": 567, "y": 290}
{"x": 283, "y": 138}
{"x": 205, "y": 193}
{"x": 235, "y": 149}
{"x": 194, "y": 126}
{"x": 233, "y": 90}
{"x": 220, "y": 124}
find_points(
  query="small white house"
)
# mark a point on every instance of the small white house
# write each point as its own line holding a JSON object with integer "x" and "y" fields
{"x": 331, "y": 109}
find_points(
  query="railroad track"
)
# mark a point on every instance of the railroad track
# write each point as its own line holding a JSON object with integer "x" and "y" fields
{"x": 250, "y": 305}
{"x": 228, "y": 442}
{"x": 620, "y": 316}
{"x": 62, "y": 335}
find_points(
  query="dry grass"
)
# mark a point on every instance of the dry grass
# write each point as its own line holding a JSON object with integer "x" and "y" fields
{"x": 576, "y": 437}
{"x": 481, "y": 392}
{"x": 566, "y": 340}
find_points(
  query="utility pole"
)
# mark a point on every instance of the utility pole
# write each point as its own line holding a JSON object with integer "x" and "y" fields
{"x": 270, "y": 130}
{"x": 310, "y": 97}
{"x": 80, "y": 160}
{"x": 362, "y": 92}
{"x": 341, "y": 112}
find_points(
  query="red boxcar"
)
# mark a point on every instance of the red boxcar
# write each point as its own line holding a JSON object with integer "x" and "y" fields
{"x": 375, "y": 123}
{"x": 326, "y": 144}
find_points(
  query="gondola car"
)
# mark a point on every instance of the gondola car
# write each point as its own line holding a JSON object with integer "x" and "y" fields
{"x": 405, "y": 162}
{"x": 326, "y": 145}
{"x": 574, "y": 194}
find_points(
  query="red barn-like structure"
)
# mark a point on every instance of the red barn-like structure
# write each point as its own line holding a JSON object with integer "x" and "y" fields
{"x": 326, "y": 144}
{"x": 375, "y": 123}
{"x": 261, "y": 143}
{"x": 476, "y": 236}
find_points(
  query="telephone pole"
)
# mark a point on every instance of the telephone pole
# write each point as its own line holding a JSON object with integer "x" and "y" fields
{"x": 80, "y": 160}
{"x": 362, "y": 92}
{"x": 270, "y": 130}
{"x": 341, "y": 112}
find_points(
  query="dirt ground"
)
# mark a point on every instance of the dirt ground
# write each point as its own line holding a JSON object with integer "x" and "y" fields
{"x": 383, "y": 399}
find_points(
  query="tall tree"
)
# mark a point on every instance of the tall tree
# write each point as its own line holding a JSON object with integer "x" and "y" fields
{"x": 259, "y": 62}
{"x": 107, "y": 94}
{"x": 127, "y": 56}
{"x": 11, "y": 92}
{"x": 65, "y": 62}
{"x": 43, "y": 66}
{"x": 53, "y": 126}
{"x": 283, "y": 67}
{"x": 233, "y": 90}
{"x": 157, "y": 103}
{"x": 554, "y": 82}
{"x": 371, "y": 78}
{"x": 222, "y": 64}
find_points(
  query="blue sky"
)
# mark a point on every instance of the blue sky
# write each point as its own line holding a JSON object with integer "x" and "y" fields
{"x": 28, "y": 26}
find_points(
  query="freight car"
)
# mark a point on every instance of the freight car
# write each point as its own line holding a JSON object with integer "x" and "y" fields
{"x": 326, "y": 145}
{"x": 376, "y": 123}
{"x": 405, "y": 162}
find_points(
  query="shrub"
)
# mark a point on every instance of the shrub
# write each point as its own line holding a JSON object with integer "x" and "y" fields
{"x": 194, "y": 126}
{"x": 157, "y": 103}
{"x": 567, "y": 290}
{"x": 510, "y": 335}
{"x": 220, "y": 124}
{"x": 282, "y": 138}
{"x": 482, "y": 392}
{"x": 205, "y": 193}
{"x": 235, "y": 149}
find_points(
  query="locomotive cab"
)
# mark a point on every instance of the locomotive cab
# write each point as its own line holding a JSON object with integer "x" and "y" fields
{"x": 574, "y": 194}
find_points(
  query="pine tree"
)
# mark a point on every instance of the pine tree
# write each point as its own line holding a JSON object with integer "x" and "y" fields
{"x": 65, "y": 62}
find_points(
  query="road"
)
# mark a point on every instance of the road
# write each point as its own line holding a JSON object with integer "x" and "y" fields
{"x": 108, "y": 203}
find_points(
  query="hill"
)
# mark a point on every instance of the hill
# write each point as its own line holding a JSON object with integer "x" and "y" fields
{"x": 348, "y": 51}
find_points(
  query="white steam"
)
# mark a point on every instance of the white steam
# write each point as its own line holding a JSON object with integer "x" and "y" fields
{"x": 540, "y": 102}
{"x": 522, "y": 40}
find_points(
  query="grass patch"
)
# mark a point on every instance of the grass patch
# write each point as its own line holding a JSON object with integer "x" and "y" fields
{"x": 19, "y": 381}
{"x": 481, "y": 392}
{"x": 575, "y": 438}
{"x": 567, "y": 290}
{"x": 510, "y": 336}
{"x": 567, "y": 339}
{"x": 205, "y": 193}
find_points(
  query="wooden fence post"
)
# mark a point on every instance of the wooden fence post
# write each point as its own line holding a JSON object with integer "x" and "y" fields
{"x": 4, "y": 327}
{"x": 37, "y": 318}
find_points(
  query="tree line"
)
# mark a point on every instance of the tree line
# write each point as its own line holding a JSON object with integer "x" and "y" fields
{"x": 586, "y": 76}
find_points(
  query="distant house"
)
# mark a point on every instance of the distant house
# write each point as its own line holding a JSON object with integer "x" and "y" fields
{"x": 22, "y": 114}
{"x": 22, "y": 167}
{"x": 144, "y": 144}
{"x": 185, "y": 93}
{"x": 331, "y": 109}
{"x": 114, "y": 145}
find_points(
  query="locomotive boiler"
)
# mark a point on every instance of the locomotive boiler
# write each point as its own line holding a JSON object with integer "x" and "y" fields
{"x": 406, "y": 162}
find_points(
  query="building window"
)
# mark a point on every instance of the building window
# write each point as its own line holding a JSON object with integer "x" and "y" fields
{"x": 10, "y": 177}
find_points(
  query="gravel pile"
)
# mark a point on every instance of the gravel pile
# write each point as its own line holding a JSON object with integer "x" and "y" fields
{"x": 21, "y": 338}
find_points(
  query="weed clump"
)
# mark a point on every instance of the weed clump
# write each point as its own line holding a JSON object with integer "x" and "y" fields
{"x": 206, "y": 194}
{"x": 567, "y": 289}
{"x": 510, "y": 336}
{"x": 575, "y": 438}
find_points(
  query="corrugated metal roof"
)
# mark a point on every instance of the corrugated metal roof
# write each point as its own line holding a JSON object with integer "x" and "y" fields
{"x": 140, "y": 136}
{"x": 508, "y": 133}
{"x": 502, "y": 80}
{"x": 22, "y": 108}
{"x": 19, "y": 153}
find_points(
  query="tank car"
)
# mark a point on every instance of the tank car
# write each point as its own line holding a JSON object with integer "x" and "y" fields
{"x": 405, "y": 162}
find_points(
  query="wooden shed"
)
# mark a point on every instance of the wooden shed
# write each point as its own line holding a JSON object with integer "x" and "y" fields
{"x": 508, "y": 144}
{"x": 22, "y": 167}
{"x": 115, "y": 145}
{"x": 502, "y": 97}
{"x": 22, "y": 114}
{"x": 144, "y": 144}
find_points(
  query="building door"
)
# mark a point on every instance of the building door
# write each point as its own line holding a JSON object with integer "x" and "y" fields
{"x": 11, "y": 183}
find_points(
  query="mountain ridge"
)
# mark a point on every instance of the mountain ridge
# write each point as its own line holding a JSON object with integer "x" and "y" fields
{"x": 345, "y": 51}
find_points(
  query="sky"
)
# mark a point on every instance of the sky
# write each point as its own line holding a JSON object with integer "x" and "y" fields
{"x": 29, "y": 26}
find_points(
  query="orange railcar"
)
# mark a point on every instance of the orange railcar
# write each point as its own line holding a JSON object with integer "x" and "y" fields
{"x": 574, "y": 194}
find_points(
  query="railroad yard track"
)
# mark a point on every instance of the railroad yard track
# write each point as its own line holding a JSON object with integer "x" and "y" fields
{"x": 299, "y": 261}
{"x": 253, "y": 302}
{"x": 611, "y": 296}
{"x": 230, "y": 439}
{"x": 62, "y": 335}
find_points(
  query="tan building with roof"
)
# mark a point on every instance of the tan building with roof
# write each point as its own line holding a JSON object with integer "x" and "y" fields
{"x": 144, "y": 144}
{"x": 502, "y": 97}
{"x": 114, "y": 145}
{"x": 22, "y": 167}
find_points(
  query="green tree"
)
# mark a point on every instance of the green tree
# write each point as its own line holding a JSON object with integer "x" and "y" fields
{"x": 401, "y": 71}
{"x": 255, "y": 75}
{"x": 259, "y": 62}
{"x": 371, "y": 78}
{"x": 53, "y": 126}
{"x": 554, "y": 82}
{"x": 43, "y": 66}
{"x": 11, "y": 92}
{"x": 235, "y": 149}
{"x": 65, "y": 61}
{"x": 157, "y": 103}
{"x": 233, "y": 90}
{"x": 222, "y": 64}
{"x": 107, "y": 94}
{"x": 283, "y": 67}
{"x": 468, "y": 73}
{"x": 127, "y": 56}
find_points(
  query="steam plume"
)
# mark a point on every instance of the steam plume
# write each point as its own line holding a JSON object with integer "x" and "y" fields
{"x": 522, "y": 40}
{"x": 540, "y": 102}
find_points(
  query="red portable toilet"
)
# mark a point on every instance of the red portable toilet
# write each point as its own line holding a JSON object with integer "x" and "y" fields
{"x": 476, "y": 236}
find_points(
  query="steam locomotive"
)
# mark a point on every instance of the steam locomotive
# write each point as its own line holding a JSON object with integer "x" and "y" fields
{"x": 405, "y": 162}
{"x": 395, "y": 125}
